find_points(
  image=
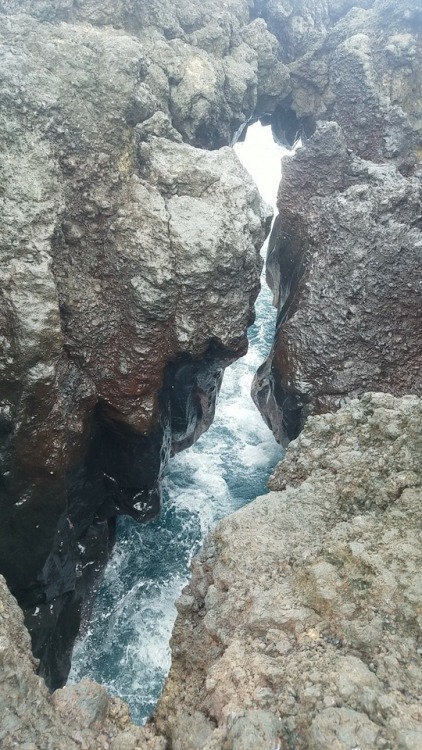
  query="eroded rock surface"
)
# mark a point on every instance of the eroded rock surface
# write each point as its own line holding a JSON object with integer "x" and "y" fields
{"x": 301, "y": 626}
{"x": 129, "y": 254}
{"x": 129, "y": 268}
{"x": 345, "y": 257}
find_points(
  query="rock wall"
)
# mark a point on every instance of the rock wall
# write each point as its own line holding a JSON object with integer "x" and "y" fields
{"x": 129, "y": 250}
{"x": 301, "y": 626}
{"x": 129, "y": 267}
{"x": 345, "y": 260}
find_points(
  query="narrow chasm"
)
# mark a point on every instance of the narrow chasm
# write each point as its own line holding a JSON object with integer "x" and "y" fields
{"x": 126, "y": 644}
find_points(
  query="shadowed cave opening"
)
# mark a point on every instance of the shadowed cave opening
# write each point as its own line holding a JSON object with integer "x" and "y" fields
{"x": 126, "y": 646}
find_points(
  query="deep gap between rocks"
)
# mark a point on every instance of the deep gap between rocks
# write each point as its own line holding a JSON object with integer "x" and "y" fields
{"x": 126, "y": 647}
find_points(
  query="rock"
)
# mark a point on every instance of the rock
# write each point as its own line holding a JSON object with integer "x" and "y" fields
{"x": 190, "y": 731}
{"x": 256, "y": 730}
{"x": 335, "y": 272}
{"x": 339, "y": 56}
{"x": 303, "y": 25}
{"x": 342, "y": 729}
{"x": 129, "y": 268}
{"x": 129, "y": 255}
{"x": 87, "y": 700}
{"x": 301, "y": 621}
{"x": 346, "y": 247}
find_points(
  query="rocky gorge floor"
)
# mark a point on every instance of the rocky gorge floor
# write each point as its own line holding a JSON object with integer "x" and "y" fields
{"x": 301, "y": 627}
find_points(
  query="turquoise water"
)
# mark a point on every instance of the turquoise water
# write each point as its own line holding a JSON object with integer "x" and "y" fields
{"x": 127, "y": 646}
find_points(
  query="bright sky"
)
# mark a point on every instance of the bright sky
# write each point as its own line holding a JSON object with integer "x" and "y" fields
{"x": 262, "y": 158}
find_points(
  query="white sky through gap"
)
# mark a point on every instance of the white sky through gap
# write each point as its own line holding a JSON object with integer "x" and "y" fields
{"x": 261, "y": 156}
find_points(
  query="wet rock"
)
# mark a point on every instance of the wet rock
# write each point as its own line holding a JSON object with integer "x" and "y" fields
{"x": 129, "y": 269}
{"x": 340, "y": 259}
{"x": 346, "y": 247}
{"x": 129, "y": 256}
{"x": 301, "y": 621}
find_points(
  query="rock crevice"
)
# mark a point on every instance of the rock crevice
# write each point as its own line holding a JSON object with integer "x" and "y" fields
{"x": 130, "y": 259}
{"x": 129, "y": 266}
{"x": 346, "y": 247}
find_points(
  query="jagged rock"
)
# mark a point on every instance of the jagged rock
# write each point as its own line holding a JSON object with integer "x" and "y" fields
{"x": 302, "y": 618}
{"x": 353, "y": 62}
{"x": 303, "y": 24}
{"x": 114, "y": 331}
{"x": 341, "y": 259}
{"x": 129, "y": 268}
{"x": 80, "y": 717}
{"x": 345, "y": 261}
{"x": 302, "y": 621}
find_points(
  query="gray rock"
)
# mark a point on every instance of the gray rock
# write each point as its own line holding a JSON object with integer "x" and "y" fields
{"x": 346, "y": 246}
{"x": 342, "y": 729}
{"x": 129, "y": 267}
{"x": 256, "y": 730}
{"x": 302, "y": 619}
{"x": 304, "y": 605}
{"x": 190, "y": 731}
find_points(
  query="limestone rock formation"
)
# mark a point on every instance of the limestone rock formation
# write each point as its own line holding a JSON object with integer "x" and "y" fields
{"x": 301, "y": 626}
{"x": 129, "y": 267}
{"x": 345, "y": 256}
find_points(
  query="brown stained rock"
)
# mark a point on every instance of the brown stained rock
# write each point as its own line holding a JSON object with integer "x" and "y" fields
{"x": 129, "y": 268}
{"x": 345, "y": 256}
{"x": 301, "y": 623}
{"x": 129, "y": 254}
{"x": 345, "y": 267}
{"x": 302, "y": 620}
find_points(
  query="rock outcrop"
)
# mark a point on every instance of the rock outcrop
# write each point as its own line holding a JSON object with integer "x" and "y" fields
{"x": 129, "y": 268}
{"x": 345, "y": 256}
{"x": 301, "y": 626}
{"x": 129, "y": 250}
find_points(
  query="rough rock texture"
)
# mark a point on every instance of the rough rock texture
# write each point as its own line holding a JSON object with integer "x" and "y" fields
{"x": 129, "y": 267}
{"x": 129, "y": 255}
{"x": 345, "y": 256}
{"x": 81, "y": 717}
{"x": 301, "y": 627}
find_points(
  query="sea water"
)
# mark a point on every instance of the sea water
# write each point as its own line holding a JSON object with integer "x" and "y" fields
{"x": 127, "y": 645}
